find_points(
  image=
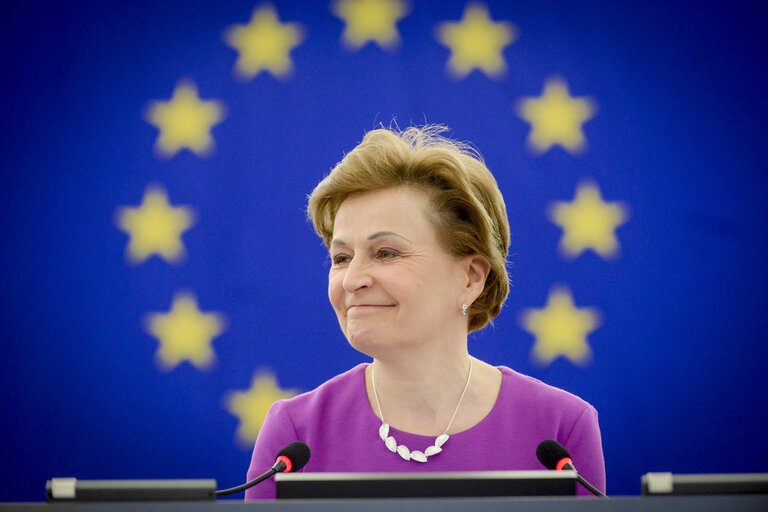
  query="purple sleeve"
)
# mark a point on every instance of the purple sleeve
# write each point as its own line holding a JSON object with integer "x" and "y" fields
{"x": 277, "y": 431}
{"x": 586, "y": 448}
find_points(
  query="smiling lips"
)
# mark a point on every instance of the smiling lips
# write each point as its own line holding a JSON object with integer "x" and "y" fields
{"x": 370, "y": 308}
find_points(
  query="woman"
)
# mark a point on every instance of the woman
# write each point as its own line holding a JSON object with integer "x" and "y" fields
{"x": 418, "y": 237}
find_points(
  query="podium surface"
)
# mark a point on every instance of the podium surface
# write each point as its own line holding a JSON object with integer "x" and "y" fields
{"x": 745, "y": 503}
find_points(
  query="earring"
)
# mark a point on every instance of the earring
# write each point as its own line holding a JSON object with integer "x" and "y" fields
{"x": 463, "y": 310}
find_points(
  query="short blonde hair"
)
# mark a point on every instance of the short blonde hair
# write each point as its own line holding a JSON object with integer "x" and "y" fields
{"x": 465, "y": 206}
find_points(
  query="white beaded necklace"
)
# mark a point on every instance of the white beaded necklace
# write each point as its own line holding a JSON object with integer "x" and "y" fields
{"x": 403, "y": 450}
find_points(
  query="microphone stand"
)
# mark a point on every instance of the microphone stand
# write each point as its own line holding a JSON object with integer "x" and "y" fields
{"x": 277, "y": 468}
{"x": 591, "y": 488}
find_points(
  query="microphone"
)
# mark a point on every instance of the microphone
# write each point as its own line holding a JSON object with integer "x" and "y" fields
{"x": 291, "y": 458}
{"x": 553, "y": 455}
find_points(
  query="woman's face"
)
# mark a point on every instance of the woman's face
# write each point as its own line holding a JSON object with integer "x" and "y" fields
{"x": 390, "y": 282}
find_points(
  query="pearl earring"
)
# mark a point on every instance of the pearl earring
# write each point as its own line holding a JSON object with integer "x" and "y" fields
{"x": 463, "y": 310}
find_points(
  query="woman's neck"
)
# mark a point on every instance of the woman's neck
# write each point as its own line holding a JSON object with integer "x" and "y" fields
{"x": 419, "y": 395}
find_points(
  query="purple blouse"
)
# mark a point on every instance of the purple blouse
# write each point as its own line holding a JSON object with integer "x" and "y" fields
{"x": 342, "y": 431}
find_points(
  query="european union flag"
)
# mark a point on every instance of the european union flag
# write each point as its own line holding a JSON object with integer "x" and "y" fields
{"x": 161, "y": 286}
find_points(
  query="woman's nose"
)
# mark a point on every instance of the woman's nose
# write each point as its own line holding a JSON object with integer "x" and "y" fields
{"x": 357, "y": 275}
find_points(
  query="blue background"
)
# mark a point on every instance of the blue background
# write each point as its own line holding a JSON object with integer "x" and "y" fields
{"x": 678, "y": 374}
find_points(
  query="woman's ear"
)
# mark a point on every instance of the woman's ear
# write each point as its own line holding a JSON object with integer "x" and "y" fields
{"x": 477, "y": 270}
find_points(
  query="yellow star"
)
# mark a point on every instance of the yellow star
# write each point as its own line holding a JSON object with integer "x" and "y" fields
{"x": 370, "y": 20}
{"x": 476, "y": 42}
{"x": 185, "y": 333}
{"x": 588, "y": 222}
{"x": 264, "y": 44}
{"x": 251, "y": 406}
{"x": 560, "y": 328}
{"x": 185, "y": 121}
{"x": 155, "y": 227}
{"x": 556, "y": 118}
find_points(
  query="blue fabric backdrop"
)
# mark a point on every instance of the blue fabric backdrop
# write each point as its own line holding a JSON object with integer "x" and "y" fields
{"x": 673, "y": 110}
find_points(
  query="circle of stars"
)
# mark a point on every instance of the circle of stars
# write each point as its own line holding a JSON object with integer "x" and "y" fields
{"x": 476, "y": 43}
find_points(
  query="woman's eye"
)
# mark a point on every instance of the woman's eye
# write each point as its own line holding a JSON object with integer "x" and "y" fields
{"x": 340, "y": 259}
{"x": 384, "y": 254}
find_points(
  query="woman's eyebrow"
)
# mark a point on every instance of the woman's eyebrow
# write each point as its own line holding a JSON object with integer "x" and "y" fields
{"x": 374, "y": 236}
{"x": 387, "y": 233}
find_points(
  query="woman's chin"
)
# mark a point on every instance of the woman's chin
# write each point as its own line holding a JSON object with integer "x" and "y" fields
{"x": 366, "y": 340}
{"x": 378, "y": 346}
{"x": 363, "y": 343}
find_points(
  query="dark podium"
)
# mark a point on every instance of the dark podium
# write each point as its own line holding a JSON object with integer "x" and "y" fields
{"x": 624, "y": 504}
{"x": 664, "y": 492}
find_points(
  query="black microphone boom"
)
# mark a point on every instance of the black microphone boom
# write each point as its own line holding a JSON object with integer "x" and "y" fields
{"x": 291, "y": 458}
{"x": 553, "y": 455}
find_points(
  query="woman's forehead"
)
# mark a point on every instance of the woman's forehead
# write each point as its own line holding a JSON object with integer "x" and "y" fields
{"x": 394, "y": 210}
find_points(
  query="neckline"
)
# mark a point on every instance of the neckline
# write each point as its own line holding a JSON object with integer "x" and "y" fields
{"x": 375, "y": 420}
